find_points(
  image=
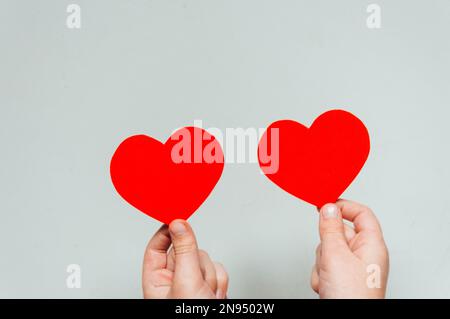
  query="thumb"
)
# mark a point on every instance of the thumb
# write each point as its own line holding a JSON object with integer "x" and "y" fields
{"x": 331, "y": 228}
{"x": 187, "y": 264}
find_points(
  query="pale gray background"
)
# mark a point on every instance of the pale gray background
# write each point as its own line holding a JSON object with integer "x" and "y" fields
{"x": 68, "y": 98}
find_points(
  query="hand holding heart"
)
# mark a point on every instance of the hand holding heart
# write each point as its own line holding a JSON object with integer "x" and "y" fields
{"x": 351, "y": 262}
{"x": 315, "y": 164}
{"x": 182, "y": 271}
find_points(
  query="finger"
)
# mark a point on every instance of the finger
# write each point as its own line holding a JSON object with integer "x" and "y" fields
{"x": 187, "y": 264}
{"x": 208, "y": 269}
{"x": 331, "y": 228}
{"x": 171, "y": 260}
{"x": 222, "y": 281}
{"x": 318, "y": 256}
{"x": 361, "y": 216}
{"x": 315, "y": 279}
{"x": 349, "y": 232}
{"x": 155, "y": 256}
{"x": 316, "y": 270}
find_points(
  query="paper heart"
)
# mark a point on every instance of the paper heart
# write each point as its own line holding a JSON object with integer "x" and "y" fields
{"x": 171, "y": 180}
{"x": 315, "y": 164}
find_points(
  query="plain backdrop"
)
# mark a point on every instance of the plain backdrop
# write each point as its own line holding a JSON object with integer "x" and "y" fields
{"x": 68, "y": 97}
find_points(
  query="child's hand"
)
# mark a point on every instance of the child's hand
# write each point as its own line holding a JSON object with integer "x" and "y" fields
{"x": 184, "y": 271}
{"x": 350, "y": 261}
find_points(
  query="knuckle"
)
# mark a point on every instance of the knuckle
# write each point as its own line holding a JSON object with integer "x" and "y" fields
{"x": 366, "y": 209}
{"x": 221, "y": 273}
{"x": 222, "y": 276}
{"x": 222, "y": 281}
{"x": 184, "y": 248}
{"x": 318, "y": 249}
{"x": 331, "y": 230}
{"x": 203, "y": 253}
{"x": 314, "y": 282}
{"x": 314, "y": 285}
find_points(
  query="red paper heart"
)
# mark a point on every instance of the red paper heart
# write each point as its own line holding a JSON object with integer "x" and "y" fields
{"x": 315, "y": 164}
{"x": 171, "y": 180}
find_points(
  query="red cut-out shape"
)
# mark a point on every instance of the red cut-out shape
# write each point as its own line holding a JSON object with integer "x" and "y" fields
{"x": 171, "y": 180}
{"x": 315, "y": 164}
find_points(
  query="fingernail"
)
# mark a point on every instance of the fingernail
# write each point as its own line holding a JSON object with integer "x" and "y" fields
{"x": 329, "y": 211}
{"x": 178, "y": 228}
{"x": 219, "y": 294}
